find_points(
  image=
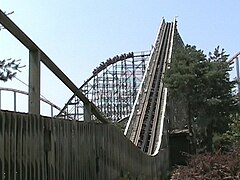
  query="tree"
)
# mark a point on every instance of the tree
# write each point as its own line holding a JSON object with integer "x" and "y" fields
{"x": 232, "y": 136}
{"x": 9, "y": 69}
{"x": 183, "y": 80}
{"x": 205, "y": 88}
{"x": 219, "y": 101}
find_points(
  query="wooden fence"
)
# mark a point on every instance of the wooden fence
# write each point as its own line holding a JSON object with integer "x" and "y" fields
{"x": 41, "y": 148}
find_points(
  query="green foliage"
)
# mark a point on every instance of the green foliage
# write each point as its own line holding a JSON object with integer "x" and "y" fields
{"x": 223, "y": 164}
{"x": 233, "y": 134}
{"x": 218, "y": 99}
{"x": 181, "y": 77}
{"x": 9, "y": 69}
{"x": 204, "y": 87}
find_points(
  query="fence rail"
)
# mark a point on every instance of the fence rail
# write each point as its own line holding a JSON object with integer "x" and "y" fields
{"x": 16, "y": 91}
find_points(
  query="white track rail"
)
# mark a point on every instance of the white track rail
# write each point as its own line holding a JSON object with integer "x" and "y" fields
{"x": 146, "y": 126}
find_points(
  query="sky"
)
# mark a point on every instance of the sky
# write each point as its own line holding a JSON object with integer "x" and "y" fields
{"x": 79, "y": 35}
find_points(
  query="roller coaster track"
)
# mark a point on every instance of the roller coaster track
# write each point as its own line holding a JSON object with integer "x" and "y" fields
{"x": 112, "y": 87}
{"x": 84, "y": 150}
{"x": 145, "y": 127}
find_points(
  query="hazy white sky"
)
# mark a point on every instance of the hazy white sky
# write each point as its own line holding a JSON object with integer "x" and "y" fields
{"x": 78, "y": 35}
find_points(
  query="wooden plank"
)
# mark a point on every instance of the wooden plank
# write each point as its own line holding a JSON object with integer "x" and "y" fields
{"x": 36, "y": 147}
{"x": 14, "y": 146}
{"x": 24, "y": 154}
{"x": 27, "y": 149}
{"x": 31, "y": 146}
{"x": 19, "y": 147}
{"x": 60, "y": 150}
{"x": 52, "y": 153}
{"x": 64, "y": 146}
{"x": 24, "y": 150}
{"x": 79, "y": 174}
{"x": 2, "y": 144}
{"x": 43, "y": 151}
{"x": 68, "y": 155}
{"x": 58, "y": 156}
{"x": 7, "y": 147}
{"x": 72, "y": 150}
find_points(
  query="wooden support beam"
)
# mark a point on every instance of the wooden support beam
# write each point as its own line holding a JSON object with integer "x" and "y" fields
{"x": 34, "y": 82}
{"x": 87, "y": 112}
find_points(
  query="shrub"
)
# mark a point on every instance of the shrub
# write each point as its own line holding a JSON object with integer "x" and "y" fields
{"x": 210, "y": 166}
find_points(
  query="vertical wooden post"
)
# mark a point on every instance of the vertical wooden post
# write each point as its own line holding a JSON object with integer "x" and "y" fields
{"x": 15, "y": 101}
{"x": 51, "y": 111}
{"x": 87, "y": 112}
{"x": 34, "y": 82}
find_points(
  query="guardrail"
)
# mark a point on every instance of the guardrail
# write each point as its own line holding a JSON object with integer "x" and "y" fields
{"x": 16, "y": 91}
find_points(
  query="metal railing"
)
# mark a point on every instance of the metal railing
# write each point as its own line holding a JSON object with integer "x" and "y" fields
{"x": 16, "y": 91}
{"x": 235, "y": 59}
